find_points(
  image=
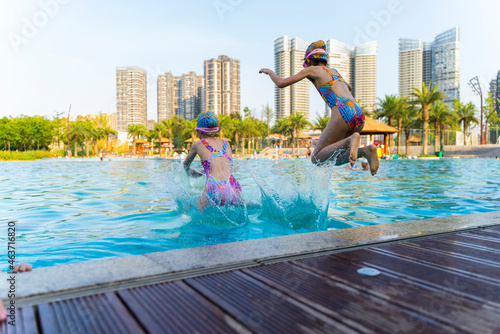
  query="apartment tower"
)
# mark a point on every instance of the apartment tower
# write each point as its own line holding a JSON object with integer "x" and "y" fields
{"x": 410, "y": 66}
{"x": 131, "y": 96}
{"x": 222, "y": 85}
{"x": 183, "y": 95}
{"x": 437, "y": 63}
{"x": 364, "y": 75}
{"x": 288, "y": 60}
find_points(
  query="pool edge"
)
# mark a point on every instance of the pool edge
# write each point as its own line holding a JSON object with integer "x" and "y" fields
{"x": 72, "y": 280}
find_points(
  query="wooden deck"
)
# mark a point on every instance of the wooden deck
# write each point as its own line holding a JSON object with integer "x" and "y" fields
{"x": 448, "y": 284}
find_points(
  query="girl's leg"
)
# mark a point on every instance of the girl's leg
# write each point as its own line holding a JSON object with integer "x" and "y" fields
{"x": 336, "y": 136}
{"x": 369, "y": 152}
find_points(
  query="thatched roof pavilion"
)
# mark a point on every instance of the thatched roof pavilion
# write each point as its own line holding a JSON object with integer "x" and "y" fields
{"x": 372, "y": 127}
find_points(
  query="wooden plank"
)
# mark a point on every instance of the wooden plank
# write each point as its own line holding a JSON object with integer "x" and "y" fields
{"x": 28, "y": 323}
{"x": 102, "y": 313}
{"x": 457, "y": 311}
{"x": 355, "y": 307}
{"x": 466, "y": 250}
{"x": 469, "y": 239}
{"x": 452, "y": 282}
{"x": 492, "y": 233}
{"x": 174, "y": 307}
{"x": 449, "y": 261}
{"x": 262, "y": 308}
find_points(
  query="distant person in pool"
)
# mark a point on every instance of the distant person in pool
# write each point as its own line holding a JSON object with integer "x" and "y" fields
{"x": 21, "y": 268}
{"x": 347, "y": 117}
{"x": 216, "y": 157}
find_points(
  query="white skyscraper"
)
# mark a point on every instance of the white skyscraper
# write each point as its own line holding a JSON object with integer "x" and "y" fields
{"x": 288, "y": 60}
{"x": 364, "y": 74}
{"x": 410, "y": 66}
{"x": 131, "y": 97}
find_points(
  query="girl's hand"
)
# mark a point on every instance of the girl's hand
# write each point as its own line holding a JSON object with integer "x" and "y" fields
{"x": 265, "y": 71}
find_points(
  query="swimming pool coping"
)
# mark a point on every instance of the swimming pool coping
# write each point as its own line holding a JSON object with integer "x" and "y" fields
{"x": 79, "y": 279}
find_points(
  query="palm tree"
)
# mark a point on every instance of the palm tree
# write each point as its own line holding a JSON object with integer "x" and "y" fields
{"x": 426, "y": 97}
{"x": 269, "y": 114}
{"x": 298, "y": 121}
{"x": 107, "y": 131}
{"x": 491, "y": 115}
{"x": 408, "y": 121}
{"x": 77, "y": 131}
{"x": 160, "y": 129}
{"x": 390, "y": 108}
{"x": 321, "y": 123}
{"x": 441, "y": 115}
{"x": 466, "y": 114}
{"x": 225, "y": 123}
{"x": 135, "y": 131}
{"x": 189, "y": 129}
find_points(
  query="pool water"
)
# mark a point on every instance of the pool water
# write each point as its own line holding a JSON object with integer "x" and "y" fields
{"x": 73, "y": 210}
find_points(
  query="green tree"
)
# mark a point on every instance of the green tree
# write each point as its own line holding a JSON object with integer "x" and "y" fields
{"x": 269, "y": 115}
{"x": 409, "y": 120}
{"x": 321, "y": 123}
{"x": 135, "y": 131}
{"x": 491, "y": 116}
{"x": 108, "y": 131}
{"x": 441, "y": 115}
{"x": 77, "y": 132}
{"x": 425, "y": 97}
{"x": 390, "y": 108}
{"x": 298, "y": 121}
{"x": 466, "y": 115}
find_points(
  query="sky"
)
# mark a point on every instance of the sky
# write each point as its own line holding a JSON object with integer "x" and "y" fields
{"x": 54, "y": 53}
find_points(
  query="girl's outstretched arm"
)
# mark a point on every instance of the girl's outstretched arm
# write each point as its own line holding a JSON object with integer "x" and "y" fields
{"x": 281, "y": 83}
{"x": 189, "y": 159}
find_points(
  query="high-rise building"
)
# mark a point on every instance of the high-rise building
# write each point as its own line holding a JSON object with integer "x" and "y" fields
{"x": 288, "y": 60}
{"x": 410, "y": 66}
{"x": 364, "y": 75}
{"x": 495, "y": 92}
{"x": 222, "y": 85}
{"x": 167, "y": 90}
{"x": 437, "y": 63}
{"x": 339, "y": 58}
{"x": 446, "y": 64}
{"x": 131, "y": 97}
{"x": 283, "y": 68}
{"x": 181, "y": 96}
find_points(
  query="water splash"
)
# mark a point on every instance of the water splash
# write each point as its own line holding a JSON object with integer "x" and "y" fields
{"x": 187, "y": 191}
{"x": 297, "y": 197}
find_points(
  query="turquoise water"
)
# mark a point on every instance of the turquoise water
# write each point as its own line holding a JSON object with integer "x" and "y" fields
{"x": 69, "y": 211}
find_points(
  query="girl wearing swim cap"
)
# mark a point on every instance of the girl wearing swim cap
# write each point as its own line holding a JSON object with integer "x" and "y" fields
{"x": 347, "y": 117}
{"x": 216, "y": 157}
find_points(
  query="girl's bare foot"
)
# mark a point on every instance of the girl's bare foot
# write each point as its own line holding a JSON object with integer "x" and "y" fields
{"x": 354, "y": 145}
{"x": 372, "y": 158}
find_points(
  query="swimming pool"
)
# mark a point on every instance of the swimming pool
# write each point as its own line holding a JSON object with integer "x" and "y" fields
{"x": 73, "y": 210}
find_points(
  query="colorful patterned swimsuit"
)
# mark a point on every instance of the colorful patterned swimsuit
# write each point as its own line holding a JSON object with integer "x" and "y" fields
{"x": 350, "y": 110}
{"x": 219, "y": 192}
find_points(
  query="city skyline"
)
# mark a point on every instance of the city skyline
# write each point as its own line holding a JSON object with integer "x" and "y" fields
{"x": 66, "y": 60}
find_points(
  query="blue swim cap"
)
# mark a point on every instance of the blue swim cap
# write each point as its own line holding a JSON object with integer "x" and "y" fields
{"x": 207, "y": 119}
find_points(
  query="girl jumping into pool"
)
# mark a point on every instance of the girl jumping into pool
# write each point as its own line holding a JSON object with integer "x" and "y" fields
{"x": 216, "y": 157}
{"x": 342, "y": 134}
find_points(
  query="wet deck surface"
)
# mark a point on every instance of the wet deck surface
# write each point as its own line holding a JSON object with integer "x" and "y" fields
{"x": 447, "y": 284}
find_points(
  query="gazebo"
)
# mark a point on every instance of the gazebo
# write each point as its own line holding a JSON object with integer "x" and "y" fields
{"x": 372, "y": 127}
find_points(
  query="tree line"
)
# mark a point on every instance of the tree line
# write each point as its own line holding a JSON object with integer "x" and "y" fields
{"x": 426, "y": 108}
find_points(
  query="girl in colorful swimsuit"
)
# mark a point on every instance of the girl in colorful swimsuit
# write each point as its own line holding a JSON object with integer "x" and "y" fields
{"x": 342, "y": 134}
{"x": 216, "y": 157}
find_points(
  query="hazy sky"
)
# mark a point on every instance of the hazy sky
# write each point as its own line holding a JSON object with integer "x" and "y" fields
{"x": 59, "y": 52}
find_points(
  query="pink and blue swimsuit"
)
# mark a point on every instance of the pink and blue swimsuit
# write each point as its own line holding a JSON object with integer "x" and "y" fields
{"x": 221, "y": 192}
{"x": 350, "y": 110}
